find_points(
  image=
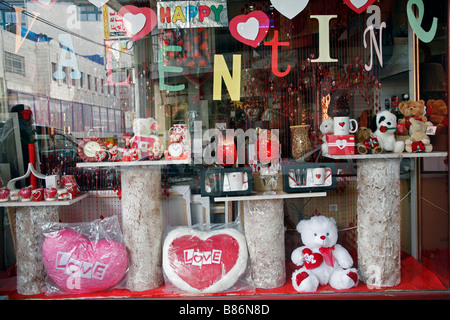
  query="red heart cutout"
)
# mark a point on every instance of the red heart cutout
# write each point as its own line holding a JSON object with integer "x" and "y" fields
{"x": 243, "y": 19}
{"x": 361, "y": 7}
{"x": 197, "y": 261}
{"x": 46, "y": 6}
{"x": 312, "y": 260}
{"x": 342, "y": 124}
{"x": 143, "y": 19}
{"x": 318, "y": 176}
{"x": 78, "y": 265}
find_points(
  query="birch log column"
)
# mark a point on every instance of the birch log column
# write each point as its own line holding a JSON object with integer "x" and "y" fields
{"x": 30, "y": 266}
{"x": 142, "y": 223}
{"x": 264, "y": 230}
{"x": 378, "y": 209}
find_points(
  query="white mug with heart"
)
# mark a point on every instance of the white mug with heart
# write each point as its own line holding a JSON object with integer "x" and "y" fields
{"x": 320, "y": 175}
{"x": 342, "y": 126}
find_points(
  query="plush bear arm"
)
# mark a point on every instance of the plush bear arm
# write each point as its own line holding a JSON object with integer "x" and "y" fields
{"x": 342, "y": 256}
{"x": 297, "y": 256}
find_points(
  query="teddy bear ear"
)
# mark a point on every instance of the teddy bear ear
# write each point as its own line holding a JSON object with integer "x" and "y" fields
{"x": 301, "y": 226}
{"x": 332, "y": 220}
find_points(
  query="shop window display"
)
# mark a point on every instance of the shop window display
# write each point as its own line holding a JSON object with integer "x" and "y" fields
{"x": 270, "y": 112}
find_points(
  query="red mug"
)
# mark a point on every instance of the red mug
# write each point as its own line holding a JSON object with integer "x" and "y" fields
{"x": 38, "y": 194}
{"x": 4, "y": 194}
{"x": 50, "y": 194}
{"x": 73, "y": 189}
{"x": 25, "y": 194}
{"x": 65, "y": 179}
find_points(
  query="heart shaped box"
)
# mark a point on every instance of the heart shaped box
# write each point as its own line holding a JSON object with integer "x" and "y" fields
{"x": 204, "y": 262}
{"x": 78, "y": 265}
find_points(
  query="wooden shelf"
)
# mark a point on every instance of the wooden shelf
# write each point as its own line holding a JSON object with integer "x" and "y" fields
{"x": 278, "y": 195}
{"x": 392, "y": 155}
{"x": 132, "y": 163}
{"x": 44, "y": 203}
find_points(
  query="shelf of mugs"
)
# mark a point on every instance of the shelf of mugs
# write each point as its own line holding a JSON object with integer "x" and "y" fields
{"x": 390, "y": 155}
{"x": 132, "y": 163}
{"x": 43, "y": 203}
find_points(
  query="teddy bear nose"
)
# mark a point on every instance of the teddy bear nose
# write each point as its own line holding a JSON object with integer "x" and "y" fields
{"x": 323, "y": 237}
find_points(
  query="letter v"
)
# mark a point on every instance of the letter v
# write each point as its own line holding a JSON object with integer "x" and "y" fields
{"x": 19, "y": 39}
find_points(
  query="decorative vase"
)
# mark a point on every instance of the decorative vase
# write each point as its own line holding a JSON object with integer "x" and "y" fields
{"x": 301, "y": 144}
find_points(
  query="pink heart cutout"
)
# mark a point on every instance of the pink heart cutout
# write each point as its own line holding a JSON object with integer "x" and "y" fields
{"x": 242, "y": 20}
{"x": 361, "y": 8}
{"x": 150, "y": 20}
{"x": 78, "y": 265}
{"x": 197, "y": 261}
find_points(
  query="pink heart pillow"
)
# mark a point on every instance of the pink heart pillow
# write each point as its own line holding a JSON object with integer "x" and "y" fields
{"x": 78, "y": 265}
{"x": 204, "y": 262}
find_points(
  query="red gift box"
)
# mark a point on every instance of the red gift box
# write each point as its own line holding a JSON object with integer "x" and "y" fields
{"x": 341, "y": 144}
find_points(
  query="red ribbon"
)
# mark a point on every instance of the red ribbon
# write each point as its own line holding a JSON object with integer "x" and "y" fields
{"x": 328, "y": 255}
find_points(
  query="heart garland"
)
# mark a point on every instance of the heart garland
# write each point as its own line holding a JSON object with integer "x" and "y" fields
{"x": 204, "y": 262}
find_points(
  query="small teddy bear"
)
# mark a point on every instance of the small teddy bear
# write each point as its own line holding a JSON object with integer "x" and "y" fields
{"x": 383, "y": 126}
{"x": 366, "y": 141}
{"x": 418, "y": 140}
{"x": 145, "y": 134}
{"x": 412, "y": 109}
{"x": 323, "y": 261}
{"x": 326, "y": 128}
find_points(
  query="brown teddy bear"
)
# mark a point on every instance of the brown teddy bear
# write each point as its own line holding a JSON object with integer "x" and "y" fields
{"x": 437, "y": 113}
{"x": 412, "y": 109}
{"x": 418, "y": 140}
{"x": 366, "y": 141}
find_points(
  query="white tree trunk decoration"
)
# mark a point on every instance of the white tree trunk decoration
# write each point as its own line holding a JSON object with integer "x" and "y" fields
{"x": 143, "y": 226}
{"x": 378, "y": 209}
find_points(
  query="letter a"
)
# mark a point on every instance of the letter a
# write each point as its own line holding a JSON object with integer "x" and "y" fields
{"x": 67, "y": 47}
{"x": 233, "y": 83}
{"x": 19, "y": 39}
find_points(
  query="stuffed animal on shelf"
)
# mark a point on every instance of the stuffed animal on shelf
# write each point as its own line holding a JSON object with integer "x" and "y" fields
{"x": 326, "y": 127}
{"x": 418, "y": 140}
{"x": 322, "y": 260}
{"x": 366, "y": 141}
{"x": 384, "y": 125}
{"x": 412, "y": 109}
{"x": 145, "y": 135}
{"x": 438, "y": 114}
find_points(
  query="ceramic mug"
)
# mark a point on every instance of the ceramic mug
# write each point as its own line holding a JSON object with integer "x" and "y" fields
{"x": 72, "y": 189}
{"x": 342, "y": 126}
{"x": 50, "y": 194}
{"x": 38, "y": 194}
{"x": 68, "y": 178}
{"x": 25, "y": 194}
{"x": 320, "y": 175}
{"x": 4, "y": 194}
{"x": 235, "y": 180}
{"x": 14, "y": 195}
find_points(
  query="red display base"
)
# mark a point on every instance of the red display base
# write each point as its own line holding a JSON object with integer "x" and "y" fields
{"x": 417, "y": 281}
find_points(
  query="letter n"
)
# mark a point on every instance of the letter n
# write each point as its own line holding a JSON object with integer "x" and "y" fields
{"x": 233, "y": 83}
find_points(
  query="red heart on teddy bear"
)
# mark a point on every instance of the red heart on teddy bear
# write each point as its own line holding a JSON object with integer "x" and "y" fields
{"x": 312, "y": 260}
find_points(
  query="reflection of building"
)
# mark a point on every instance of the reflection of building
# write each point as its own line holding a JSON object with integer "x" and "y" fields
{"x": 73, "y": 105}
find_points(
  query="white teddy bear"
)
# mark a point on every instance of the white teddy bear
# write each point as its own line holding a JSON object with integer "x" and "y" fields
{"x": 322, "y": 259}
{"x": 145, "y": 135}
{"x": 326, "y": 127}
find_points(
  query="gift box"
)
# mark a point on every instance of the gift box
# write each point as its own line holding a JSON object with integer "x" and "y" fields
{"x": 341, "y": 144}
